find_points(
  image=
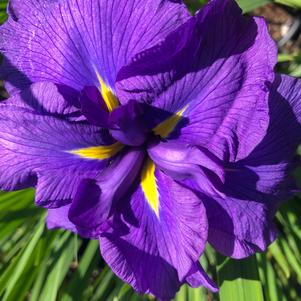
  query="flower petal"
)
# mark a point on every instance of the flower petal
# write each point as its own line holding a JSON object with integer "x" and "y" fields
{"x": 155, "y": 251}
{"x": 58, "y": 218}
{"x": 222, "y": 87}
{"x": 266, "y": 174}
{"x": 93, "y": 107}
{"x": 182, "y": 161}
{"x": 38, "y": 150}
{"x": 273, "y": 160}
{"x": 78, "y": 42}
{"x": 128, "y": 124}
{"x": 199, "y": 277}
{"x": 45, "y": 98}
{"x": 285, "y": 108}
{"x": 21, "y": 9}
{"x": 239, "y": 227}
{"x": 242, "y": 223}
{"x": 95, "y": 198}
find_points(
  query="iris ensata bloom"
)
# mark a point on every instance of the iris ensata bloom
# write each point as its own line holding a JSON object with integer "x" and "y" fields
{"x": 148, "y": 129}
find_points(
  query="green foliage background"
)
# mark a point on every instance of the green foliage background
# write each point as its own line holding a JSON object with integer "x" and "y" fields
{"x": 37, "y": 264}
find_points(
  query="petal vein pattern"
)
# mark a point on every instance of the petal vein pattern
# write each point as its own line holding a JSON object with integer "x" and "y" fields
{"x": 65, "y": 40}
{"x": 224, "y": 82}
{"x": 146, "y": 251}
{"x": 33, "y": 153}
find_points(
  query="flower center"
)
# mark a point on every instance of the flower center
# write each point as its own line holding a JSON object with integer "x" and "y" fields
{"x": 129, "y": 125}
{"x": 132, "y": 124}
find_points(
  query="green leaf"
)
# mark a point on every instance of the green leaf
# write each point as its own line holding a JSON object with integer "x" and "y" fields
{"x": 291, "y": 3}
{"x": 195, "y": 5}
{"x": 41, "y": 261}
{"x": 279, "y": 256}
{"x": 284, "y": 57}
{"x": 21, "y": 289}
{"x": 272, "y": 289}
{"x": 196, "y": 294}
{"x": 124, "y": 291}
{"x": 59, "y": 267}
{"x": 249, "y": 5}
{"x": 21, "y": 262}
{"x": 80, "y": 278}
{"x": 239, "y": 279}
{"x": 3, "y": 15}
{"x": 291, "y": 258}
{"x": 182, "y": 294}
{"x": 102, "y": 284}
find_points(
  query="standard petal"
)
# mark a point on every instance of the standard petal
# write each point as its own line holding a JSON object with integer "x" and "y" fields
{"x": 73, "y": 42}
{"x": 199, "y": 277}
{"x": 47, "y": 152}
{"x": 93, "y": 106}
{"x": 58, "y": 218}
{"x": 214, "y": 70}
{"x": 182, "y": 161}
{"x": 154, "y": 249}
{"x": 129, "y": 125}
{"x": 95, "y": 199}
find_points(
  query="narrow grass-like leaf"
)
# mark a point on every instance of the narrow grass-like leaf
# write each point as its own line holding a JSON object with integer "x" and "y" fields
{"x": 239, "y": 279}
{"x": 291, "y": 3}
{"x": 124, "y": 292}
{"x": 249, "y": 5}
{"x": 80, "y": 278}
{"x": 3, "y": 15}
{"x": 291, "y": 258}
{"x": 182, "y": 294}
{"x": 279, "y": 256}
{"x": 21, "y": 289}
{"x": 102, "y": 284}
{"x": 274, "y": 291}
{"x": 268, "y": 275}
{"x": 41, "y": 261}
{"x": 196, "y": 294}
{"x": 60, "y": 266}
{"x": 22, "y": 261}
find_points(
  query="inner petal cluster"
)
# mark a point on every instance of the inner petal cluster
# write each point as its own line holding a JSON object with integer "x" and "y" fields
{"x": 133, "y": 124}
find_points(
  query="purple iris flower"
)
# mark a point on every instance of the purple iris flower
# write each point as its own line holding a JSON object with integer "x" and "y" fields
{"x": 148, "y": 129}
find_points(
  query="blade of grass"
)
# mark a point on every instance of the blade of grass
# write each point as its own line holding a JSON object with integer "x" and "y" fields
{"x": 182, "y": 294}
{"x": 80, "y": 279}
{"x": 41, "y": 261}
{"x": 291, "y": 258}
{"x": 291, "y": 3}
{"x": 22, "y": 261}
{"x": 60, "y": 265}
{"x": 279, "y": 256}
{"x": 239, "y": 279}
{"x": 102, "y": 284}
{"x": 249, "y": 5}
